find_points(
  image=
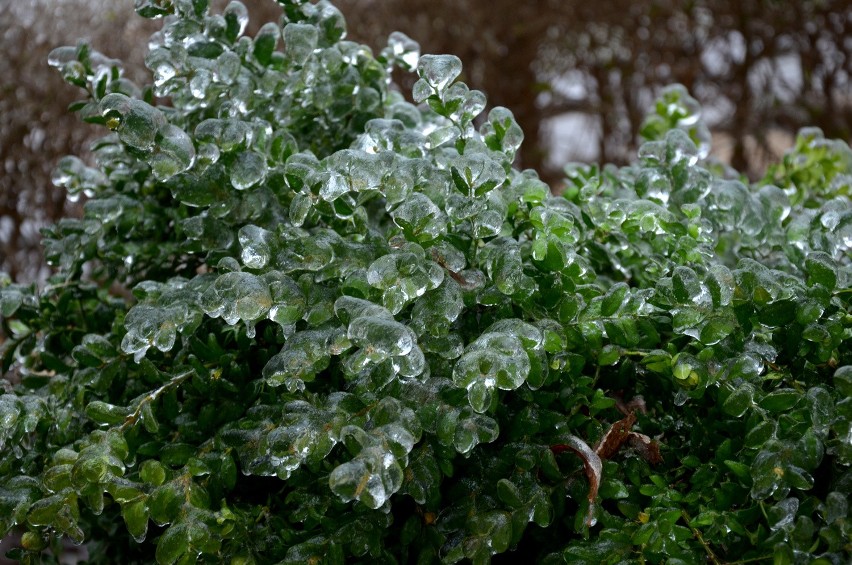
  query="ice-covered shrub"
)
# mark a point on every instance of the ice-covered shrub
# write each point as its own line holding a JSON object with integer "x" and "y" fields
{"x": 357, "y": 334}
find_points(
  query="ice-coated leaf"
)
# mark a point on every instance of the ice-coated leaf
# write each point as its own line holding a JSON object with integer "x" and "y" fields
{"x": 236, "y": 18}
{"x": 149, "y": 326}
{"x": 348, "y": 308}
{"x": 502, "y": 132}
{"x": 371, "y": 478}
{"x": 437, "y": 309}
{"x": 381, "y": 338}
{"x": 135, "y": 516}
{"x": 136, "y": 122}
{"x": 491, "y": 532}
{"x": 237, "y": 296}
{"x": 265, "y": 42}
{"x": 333, "y": 185}
{"x": 613, "y": 298}
{"x": 530, "y": 336}
{"x": 105, "y": 413}
{"x": 780, "y": 400}
{"x": 471, "y": 429}
{"x": 403, "y": 277}
{"x": 304, "y": 437}
{"x": 783, "y": 514}
{"x": 66, "y": 60}
{"x": 685, "y": 284}
{"x": 289, "y": 302}
{"x": 739, "y": 400}
{"x": 836, "y": 507}
{"x": 504, "y": 265}
{"x": 477, "y": 173}
{"x": 300, "y": 40}
{"x": 821, "y": 269}
{"x": 153, "y": 8}
{"x": 404, "y": 50}
{"x": 175, "y": 153}
{"x": 494, "y": 360}
{"x": 226, "y": 135}
{"x": 420, "y": 219}
{"x": 767, "y": 472}
{"x": 152, "y": 472}
{"x": 248, "y": 170}
{"x": 439, "y": 70}
{"x": 256, "y": 246}
{"x": 593, "y": 467}
{"x": 73, "y": 175}
{"x": 173, "y": 544}
{"x": 303, "y": 356}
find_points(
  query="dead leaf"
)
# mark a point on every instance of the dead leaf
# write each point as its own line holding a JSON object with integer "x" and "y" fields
{"x": 592, "y": 465}
{"x": 615, "y": 437}
{"x": 646, "y": 447}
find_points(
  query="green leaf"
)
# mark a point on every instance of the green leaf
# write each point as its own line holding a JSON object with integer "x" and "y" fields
{"x": 173, "y": 544}
{"x": 739, "y": 469}
{"x": 780, "y": 400}
{"x": 821, "y": 269}
{"x": 613, "y": 298}
{"x": 509, "y": 493}
{"x": 716, "y": 329}
{"x": 778, "y": 313}
{"x": 135, "y": 515}
{"x": 760, "y": 434}
{"x": 153, "y": 472}
{"x": 265, "y": 42}
{"x": 105, "y": 413}
{"x": 739, "y": 400}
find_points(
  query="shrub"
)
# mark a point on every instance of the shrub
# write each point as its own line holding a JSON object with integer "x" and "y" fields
{"x": 357, "y": 334}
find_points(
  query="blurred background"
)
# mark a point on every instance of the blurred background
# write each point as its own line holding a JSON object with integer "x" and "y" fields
{"x": 578, "y": 76}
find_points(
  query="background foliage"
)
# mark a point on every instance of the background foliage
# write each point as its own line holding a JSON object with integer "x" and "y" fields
{"x": 357, "y": 333}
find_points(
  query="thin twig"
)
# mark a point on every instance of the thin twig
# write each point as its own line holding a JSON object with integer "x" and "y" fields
{"x": 148, "y": 398}
{"x": 697, "y": 534}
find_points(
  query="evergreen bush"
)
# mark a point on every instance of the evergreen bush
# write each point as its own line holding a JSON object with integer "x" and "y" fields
{"x": 356, "y": 334}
